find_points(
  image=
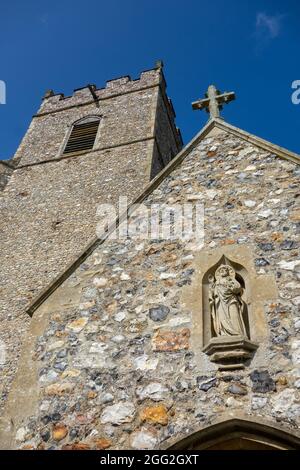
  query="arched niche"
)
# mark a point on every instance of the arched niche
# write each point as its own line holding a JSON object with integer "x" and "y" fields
{"x": 229, "y": 350}
{"x": 241, "y": 275}
{"x": 259, "y": 290}
{"x": 238, "y": 434}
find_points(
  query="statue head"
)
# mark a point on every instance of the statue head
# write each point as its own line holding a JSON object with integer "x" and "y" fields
{"x": 224, "y": 270}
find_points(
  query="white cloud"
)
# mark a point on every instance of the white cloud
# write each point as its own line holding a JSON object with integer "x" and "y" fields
{"x": 268, "y": 26}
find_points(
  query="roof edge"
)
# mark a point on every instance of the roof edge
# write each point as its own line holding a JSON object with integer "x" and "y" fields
{"x": 258, "y": 141}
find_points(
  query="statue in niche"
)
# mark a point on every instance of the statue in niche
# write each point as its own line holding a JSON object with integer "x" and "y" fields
{"x": 226, "y": 303}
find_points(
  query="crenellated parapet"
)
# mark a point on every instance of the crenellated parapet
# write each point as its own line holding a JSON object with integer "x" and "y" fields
{"x": 53, "y": 102}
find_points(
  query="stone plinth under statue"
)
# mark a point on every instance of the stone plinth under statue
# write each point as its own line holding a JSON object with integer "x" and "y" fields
{"x": 230, "y": 352}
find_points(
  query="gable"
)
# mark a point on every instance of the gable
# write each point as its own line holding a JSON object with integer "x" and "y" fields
{"x": 249, "y": 145}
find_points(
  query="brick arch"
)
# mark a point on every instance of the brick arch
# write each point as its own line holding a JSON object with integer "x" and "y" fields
{"x": 85, "y": 119}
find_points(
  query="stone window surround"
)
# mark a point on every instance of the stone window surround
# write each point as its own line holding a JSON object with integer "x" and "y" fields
{"x": 60, "y": 152}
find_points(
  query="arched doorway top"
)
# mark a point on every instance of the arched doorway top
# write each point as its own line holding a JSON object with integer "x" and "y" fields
{"x": 240, "y": 432}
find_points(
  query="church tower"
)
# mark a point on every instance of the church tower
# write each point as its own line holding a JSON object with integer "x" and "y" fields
{"x": 79, "y": 151}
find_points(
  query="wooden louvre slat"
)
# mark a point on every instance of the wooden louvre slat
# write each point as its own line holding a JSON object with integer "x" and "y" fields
{"x": 82, "y": 137}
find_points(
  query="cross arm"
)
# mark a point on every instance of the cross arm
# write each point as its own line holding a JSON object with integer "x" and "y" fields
{"x": 200, "y": 104}
{"x": 226, "y": 97}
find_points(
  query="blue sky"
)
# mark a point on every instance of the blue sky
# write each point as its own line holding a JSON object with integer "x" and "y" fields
{"x": 251, "y": 47}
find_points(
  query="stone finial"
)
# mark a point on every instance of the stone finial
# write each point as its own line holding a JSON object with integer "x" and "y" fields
{"x": 48, "y": 94}
{"x": 159, "y": 64}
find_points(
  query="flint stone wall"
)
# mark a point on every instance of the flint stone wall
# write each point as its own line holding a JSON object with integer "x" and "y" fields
{"x": 110, "y": 355}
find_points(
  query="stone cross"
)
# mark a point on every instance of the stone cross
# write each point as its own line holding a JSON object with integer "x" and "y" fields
{"x": 213, "y": 101}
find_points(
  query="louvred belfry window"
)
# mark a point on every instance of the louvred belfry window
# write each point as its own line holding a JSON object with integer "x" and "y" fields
{"x": 82, "y": 136}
